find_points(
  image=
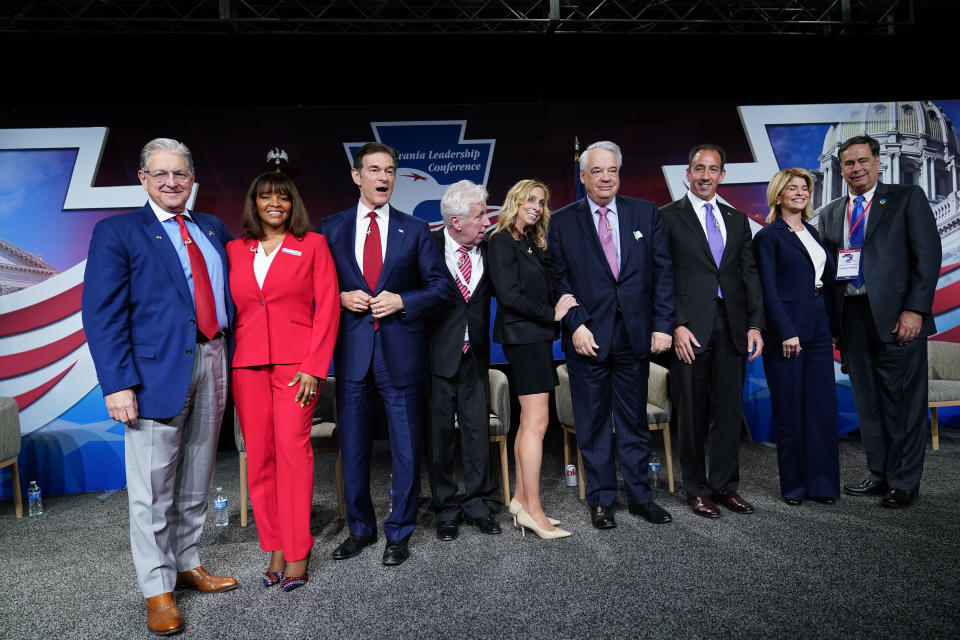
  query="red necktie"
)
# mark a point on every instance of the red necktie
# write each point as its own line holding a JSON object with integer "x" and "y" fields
{"x": 466, "y": 269}
{"x": 372, "y": 258}
{"x": 202, "y": 290}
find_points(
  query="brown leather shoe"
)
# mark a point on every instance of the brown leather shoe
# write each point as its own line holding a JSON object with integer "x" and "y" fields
{"x": 734, "y": 502}
{"x": 163, "y": 615}
{"x": 703, "y": 506}
{"x": 198, "y": 578}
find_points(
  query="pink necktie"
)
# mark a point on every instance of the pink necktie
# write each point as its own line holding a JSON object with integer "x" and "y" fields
{"x": 606, "y": 241}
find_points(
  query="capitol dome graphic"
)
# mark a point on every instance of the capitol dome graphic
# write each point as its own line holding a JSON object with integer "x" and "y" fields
{"x": 918, "y": 145}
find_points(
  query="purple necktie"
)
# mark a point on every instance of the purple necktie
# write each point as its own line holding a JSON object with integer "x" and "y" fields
{"x": 714, "y": 238}
{"x": 606, "y": 241}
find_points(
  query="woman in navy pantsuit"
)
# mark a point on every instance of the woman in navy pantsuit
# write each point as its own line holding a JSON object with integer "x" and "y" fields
{"x": 798, "y": 278}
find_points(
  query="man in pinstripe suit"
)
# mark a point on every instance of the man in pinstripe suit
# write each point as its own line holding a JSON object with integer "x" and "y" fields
{"x": 719, "y": 319}
{"x": 612, "y": 255}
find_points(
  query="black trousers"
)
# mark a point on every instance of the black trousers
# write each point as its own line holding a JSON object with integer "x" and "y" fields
{"x": 707, "y": 398}
{"x": 465, "y": 396}
{"x": 890, "y": 389}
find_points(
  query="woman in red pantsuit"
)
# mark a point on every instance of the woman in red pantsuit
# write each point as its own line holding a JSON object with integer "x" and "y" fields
{"x": 284, "y": 284}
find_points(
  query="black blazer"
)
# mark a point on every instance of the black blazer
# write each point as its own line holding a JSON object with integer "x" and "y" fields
{"x": 446, "y": 323}
{"x": 697, "y": 275}
{"x": 901, "y": 254}
{"x": 788, "y": 276}
{"x": 525, "y": 308}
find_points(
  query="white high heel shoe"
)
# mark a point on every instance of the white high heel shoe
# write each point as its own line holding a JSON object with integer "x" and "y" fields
{"x": 526, "y": 522}
{"x": 515, "y": 508}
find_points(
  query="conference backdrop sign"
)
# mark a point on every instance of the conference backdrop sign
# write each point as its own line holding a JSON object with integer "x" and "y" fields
{"x": 61, "y": 172}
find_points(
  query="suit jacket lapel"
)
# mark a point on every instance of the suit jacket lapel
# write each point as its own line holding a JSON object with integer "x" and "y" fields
{"x": 350, "y": 240}
{"x": 878, "y": 208}
{"x": 792, "y": 238}
{"x": 625, "y": 215}
{"x": 692, "y": 219}
{"x": 160, "y": 241}
{"x": 396, "y": 239}
{"x": 731, "y": 247}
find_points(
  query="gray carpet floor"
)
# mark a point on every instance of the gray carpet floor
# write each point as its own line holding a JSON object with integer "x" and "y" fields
{"x": 849, "y": 570}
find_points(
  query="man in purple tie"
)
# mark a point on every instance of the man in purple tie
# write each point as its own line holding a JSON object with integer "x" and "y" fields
{"x": 718, "y": 325}
{"x": 612, "y": 255}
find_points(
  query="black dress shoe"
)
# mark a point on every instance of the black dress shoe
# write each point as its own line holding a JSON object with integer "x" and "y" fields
{"x": 732, "y": 500}
{"x": 396, "y": 553}
{"x": 602, "y": 517}
{"x": 352, "y": 546}
{"x": 866, "y": 488}
{"x": 822, "y": 500}
{"x": 898, "y": 498}
{"x": 651, "y": 512}
{"x": 792, "y": 501}
{"x": 447, "y": 530}
{"x": 487, "y": 524}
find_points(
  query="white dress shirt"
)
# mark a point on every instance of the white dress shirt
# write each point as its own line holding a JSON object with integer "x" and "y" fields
{"x": 817, "y": 255}
{"x": 867, "y": 200}
{"x": 613, "y": 218}
{"x": 262, "y": 262}
{"x": 701, "y": 214}
{"x": 363, "y": 223}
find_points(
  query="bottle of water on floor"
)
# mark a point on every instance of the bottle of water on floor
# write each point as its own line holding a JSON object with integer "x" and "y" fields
{"x": 221, "y": 515}
{"x": 34, "y": 500}
{"x": 654, "y": 475}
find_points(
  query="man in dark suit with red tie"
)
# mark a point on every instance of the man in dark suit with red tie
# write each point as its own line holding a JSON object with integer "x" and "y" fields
{"x": 390, "y": 273}
{"x": 889, "y": 234}
{"x": 612, "y": 255}
{"x": 458, "y": 352}
{"x": 719, "y": 321}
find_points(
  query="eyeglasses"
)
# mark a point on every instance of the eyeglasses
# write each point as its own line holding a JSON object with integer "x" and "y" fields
{"x": 180, "y": 177}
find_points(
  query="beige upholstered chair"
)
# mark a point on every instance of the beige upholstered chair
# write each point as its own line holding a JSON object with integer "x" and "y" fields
{"x": 500, "y": 424}
{"x": 659, "y": 409}
{"x": 943, "y": 369}
{"x": 10, "y": 447}
{"x": 323, "y": 436}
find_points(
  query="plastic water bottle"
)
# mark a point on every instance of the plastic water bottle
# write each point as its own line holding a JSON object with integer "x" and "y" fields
{"x": 34, "y": 500}
{"x": 221, "y": 515}
{"x": 654, "y": 475}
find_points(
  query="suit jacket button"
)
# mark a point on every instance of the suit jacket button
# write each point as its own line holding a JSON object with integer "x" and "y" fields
{"x": 189, "y": 352}
{"x": 192, "y": 321}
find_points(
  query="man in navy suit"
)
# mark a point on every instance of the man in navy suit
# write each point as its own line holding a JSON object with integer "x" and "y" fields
{"x": 155, "y": 310}
{"x": 612, "y": 255}
{"x": 390, "y": 272}
{"x": 886, "y": 315}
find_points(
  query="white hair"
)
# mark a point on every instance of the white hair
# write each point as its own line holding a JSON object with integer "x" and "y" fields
{"x": 606, "y": 145}
{"x": 165, "y": 144}
{"x": 459, "y": 197}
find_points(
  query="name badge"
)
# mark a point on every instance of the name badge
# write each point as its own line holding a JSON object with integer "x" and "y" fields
{"x": 292, "y": 252}
{"x": 848, "y": 264}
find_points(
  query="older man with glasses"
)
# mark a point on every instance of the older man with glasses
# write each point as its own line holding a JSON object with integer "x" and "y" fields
{"x": 155, "y": 310}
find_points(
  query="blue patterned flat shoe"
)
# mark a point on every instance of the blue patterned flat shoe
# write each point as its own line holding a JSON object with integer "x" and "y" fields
{"x": 270, "y": 579}
{"x": 289, "y": 584}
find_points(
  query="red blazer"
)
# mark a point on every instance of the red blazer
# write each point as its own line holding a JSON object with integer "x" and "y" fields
{"x": 294, "y": 319}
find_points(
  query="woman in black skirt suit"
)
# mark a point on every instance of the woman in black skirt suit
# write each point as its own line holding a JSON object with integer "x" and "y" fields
{"x": 528, "y": 307}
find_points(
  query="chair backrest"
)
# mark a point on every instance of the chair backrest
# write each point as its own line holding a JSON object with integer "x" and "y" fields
{"x": 943, "y": 360}
{"x": 9, "y": 429}
{"x": 658, "y": 387}
{"x": 499, "y": 402}
{"x": 562, "y": 398}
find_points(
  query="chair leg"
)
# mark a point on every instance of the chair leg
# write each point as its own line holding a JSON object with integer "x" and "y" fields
{"x": 17, "y": 498}
{"x": 935, "y": 428}
{"x": 341, "y": 505}
{"x": 504, "y": 470}
{"x": 243, "y": 489}
{"x": 668, "y": 452}
{"x": 581, "y": 475}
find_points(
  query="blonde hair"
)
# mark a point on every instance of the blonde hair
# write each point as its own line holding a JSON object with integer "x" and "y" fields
{"x": 779, "y": 182}
{"x": 518, "y": 195}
